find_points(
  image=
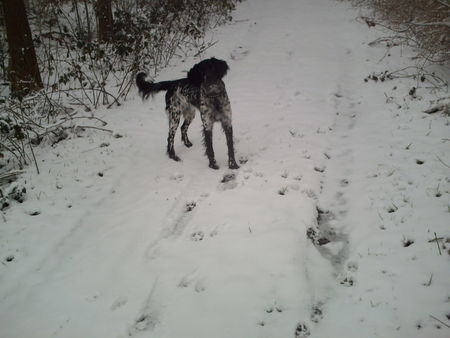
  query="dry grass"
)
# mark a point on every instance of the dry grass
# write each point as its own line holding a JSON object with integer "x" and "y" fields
{"x": 424, "y": 24}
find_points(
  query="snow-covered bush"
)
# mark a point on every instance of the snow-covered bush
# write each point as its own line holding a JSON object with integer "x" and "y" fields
{"x": 424, "y": 24}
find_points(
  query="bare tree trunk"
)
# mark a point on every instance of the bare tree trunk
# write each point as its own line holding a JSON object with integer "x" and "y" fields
{"x": 105, "y": 20}
{"x": 23, "y": 68}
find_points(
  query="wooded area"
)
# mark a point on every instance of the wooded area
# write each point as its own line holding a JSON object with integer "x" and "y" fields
{"x": 73, "y": 56}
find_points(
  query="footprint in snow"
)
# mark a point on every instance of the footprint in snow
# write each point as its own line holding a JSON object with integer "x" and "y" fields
{"x": 302, "y": 331}
{"x": 316, "y": 312}
{"x": 407, "y": 242}
{"x": 200, "y": 286}
{"x": 228, "y": 182}
{"x": 243, "y": 159}
{"x": 143, "y": 323}
{"x": 190, "y": 206}
{"x": 119, "y": 302}
{"x": 197, "y": 236}
{"x": 176, "y": 177}
{"x": 320, "y": 169}
{"x": 283, "y": 191}
{"x": 187, "y": 279}
{"x": 239, "y": 53}
{"x": 9, "y": 258}
{"x": 347, "y": 281}
{"x": 274, "y": 309}
{"x": 352, "y": 266}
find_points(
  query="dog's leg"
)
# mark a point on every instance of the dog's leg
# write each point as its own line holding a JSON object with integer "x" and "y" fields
{"x": 184, "y": 136}
{"x": 207, "y": 137}
{"x": 228, "y": 129}
{"x": 174, "y": 120}
{"x": 208, "y": 122}
{"x": 189, "y": 115}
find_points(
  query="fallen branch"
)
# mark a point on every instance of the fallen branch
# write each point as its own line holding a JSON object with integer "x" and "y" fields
{"x": 442, "y": 161}
{"x": 440, "y": 321}
{"x": 437, "y": 243}
{"x": 9, "y": 177}
{"x": 443, "y": 23}
{"x": 98, "y": 128}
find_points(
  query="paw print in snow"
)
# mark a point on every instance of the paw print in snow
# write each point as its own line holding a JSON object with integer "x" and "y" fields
{"x": 302, "y": 331}
{"x": 197, "y": 236}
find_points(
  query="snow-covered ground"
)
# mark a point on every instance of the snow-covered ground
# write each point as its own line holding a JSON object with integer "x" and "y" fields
{"x": 117, "y": 240}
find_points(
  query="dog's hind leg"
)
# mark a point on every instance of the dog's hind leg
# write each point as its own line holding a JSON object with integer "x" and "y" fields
{"x": 189, "y": 115}
{"x": 184, "y": 136}
{"x": 174, "y": 121}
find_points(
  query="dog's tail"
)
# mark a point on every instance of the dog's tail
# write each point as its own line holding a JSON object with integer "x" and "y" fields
{"x": 147, "y": 88}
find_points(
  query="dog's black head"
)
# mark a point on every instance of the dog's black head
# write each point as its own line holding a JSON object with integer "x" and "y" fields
{"x": 209, "y": 70}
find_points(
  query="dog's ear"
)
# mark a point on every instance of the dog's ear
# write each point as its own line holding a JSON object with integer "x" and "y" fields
{"x": 212, "y": 69}
{"x": 196, "y": 74}
{"x": 220, "y": 67}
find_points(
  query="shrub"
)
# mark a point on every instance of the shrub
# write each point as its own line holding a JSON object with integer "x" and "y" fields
{"x": 424, "y": 24}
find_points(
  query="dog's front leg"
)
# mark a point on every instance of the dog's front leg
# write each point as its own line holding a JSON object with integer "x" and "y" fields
{"x": 207, "y": 138}
{"x": 228, "y": 129}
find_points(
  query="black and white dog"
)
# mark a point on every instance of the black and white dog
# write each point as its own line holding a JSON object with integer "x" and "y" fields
{"x": 202, "y": 89}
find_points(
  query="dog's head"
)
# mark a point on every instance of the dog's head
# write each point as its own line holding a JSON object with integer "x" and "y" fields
{"x": 208, "y": 71}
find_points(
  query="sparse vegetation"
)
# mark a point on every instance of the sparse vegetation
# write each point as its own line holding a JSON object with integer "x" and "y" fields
{"x": 423, "y": 24}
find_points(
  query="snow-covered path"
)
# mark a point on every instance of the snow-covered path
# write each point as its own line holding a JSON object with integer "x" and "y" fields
{"x": 129, "y": 243}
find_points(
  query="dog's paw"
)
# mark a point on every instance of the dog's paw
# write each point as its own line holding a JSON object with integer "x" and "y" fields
{"x": 233, "y": 165}
{"x": 214, "y": 166}
{"x": 175, "y": 157}
{"x": 187, "y": 143}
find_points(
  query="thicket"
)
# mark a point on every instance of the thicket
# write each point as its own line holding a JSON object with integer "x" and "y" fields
{"x": 85, "y": 63}
{"x": 422, "y": 24}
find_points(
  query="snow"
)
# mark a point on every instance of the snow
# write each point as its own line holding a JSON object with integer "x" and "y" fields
{"x": 124, "y": 242}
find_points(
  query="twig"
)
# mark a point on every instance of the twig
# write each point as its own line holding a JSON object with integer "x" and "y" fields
{"x": 440, "y": 321}
{"x": 432, "y": 240}
{"x": 205, "y": 48}
{"x": 92, "y": 127}
{"x": 440, "y": 23}
{"x": 34, "y": 156}
{"x": 443, "y": 3}
{"x": 437, "y": 243}
{"x": 442, "y": 161}
{"x": 429, "y": 281}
